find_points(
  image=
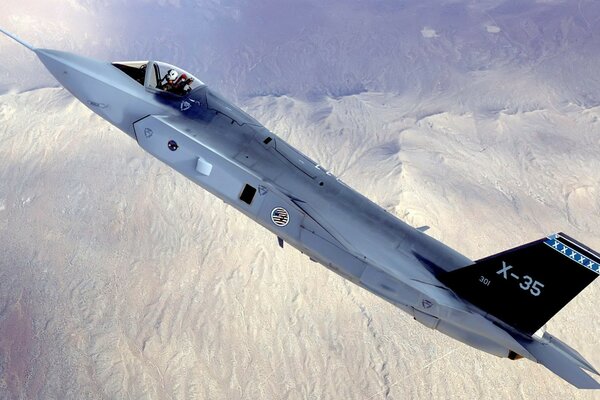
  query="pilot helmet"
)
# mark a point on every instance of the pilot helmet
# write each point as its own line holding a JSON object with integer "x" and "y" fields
{"x": 172, "y": 75}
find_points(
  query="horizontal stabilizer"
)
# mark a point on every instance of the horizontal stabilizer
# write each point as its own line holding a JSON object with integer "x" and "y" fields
{"x": 583, "y": 363}
{"x": 563, "y": 361}
{"x": 526, "y": 286}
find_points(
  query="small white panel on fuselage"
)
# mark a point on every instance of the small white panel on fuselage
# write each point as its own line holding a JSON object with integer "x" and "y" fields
{"x": 203, "y": 167}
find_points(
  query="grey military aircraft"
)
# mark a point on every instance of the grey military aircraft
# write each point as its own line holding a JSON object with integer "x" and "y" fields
{"x": 499, "y": 304}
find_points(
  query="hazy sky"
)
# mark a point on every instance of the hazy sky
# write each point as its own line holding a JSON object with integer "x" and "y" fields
{"x": 311, "y": 47}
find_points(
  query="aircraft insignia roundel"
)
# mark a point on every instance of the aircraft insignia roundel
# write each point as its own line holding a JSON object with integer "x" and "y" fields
{"x": 280, "y": 216}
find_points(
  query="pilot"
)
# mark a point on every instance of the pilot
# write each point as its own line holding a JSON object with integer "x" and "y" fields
{"x": 168, "y": 81}
{"x": 175, "y": 83}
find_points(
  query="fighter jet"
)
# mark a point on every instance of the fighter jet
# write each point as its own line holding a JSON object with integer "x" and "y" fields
{"x": 499, "y": 304}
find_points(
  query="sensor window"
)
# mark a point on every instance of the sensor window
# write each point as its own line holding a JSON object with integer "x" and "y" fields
{"x": 248, "y": 194}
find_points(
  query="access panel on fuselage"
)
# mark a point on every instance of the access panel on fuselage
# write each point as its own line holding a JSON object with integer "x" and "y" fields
{"x": 222, "y": 176}
{"x": 181, "y": 152}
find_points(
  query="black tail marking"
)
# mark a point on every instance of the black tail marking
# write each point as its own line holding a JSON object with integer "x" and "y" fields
{"x": 526, "y": 286}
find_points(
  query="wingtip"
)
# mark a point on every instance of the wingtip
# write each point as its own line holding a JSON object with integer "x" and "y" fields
{"x": 16, "y": 39}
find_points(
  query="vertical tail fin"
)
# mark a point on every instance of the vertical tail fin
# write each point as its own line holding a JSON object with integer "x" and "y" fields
{"x": 526, "y": 286}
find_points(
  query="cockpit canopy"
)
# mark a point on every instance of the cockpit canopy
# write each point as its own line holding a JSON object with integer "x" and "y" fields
{"x": 166, "y": 79}
{"x": 157, "y": 76}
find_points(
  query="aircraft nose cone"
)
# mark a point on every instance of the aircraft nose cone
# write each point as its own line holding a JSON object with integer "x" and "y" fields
{"x": 73, "y": 72}
{"x": 100, "y": 86}
{"x": 51, "y": 60}
{"x": 85, "y": 78}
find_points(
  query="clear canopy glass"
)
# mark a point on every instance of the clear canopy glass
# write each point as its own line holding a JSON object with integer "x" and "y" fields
{"x": 169, "y": 78}
{"x": 160, "y": 76}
